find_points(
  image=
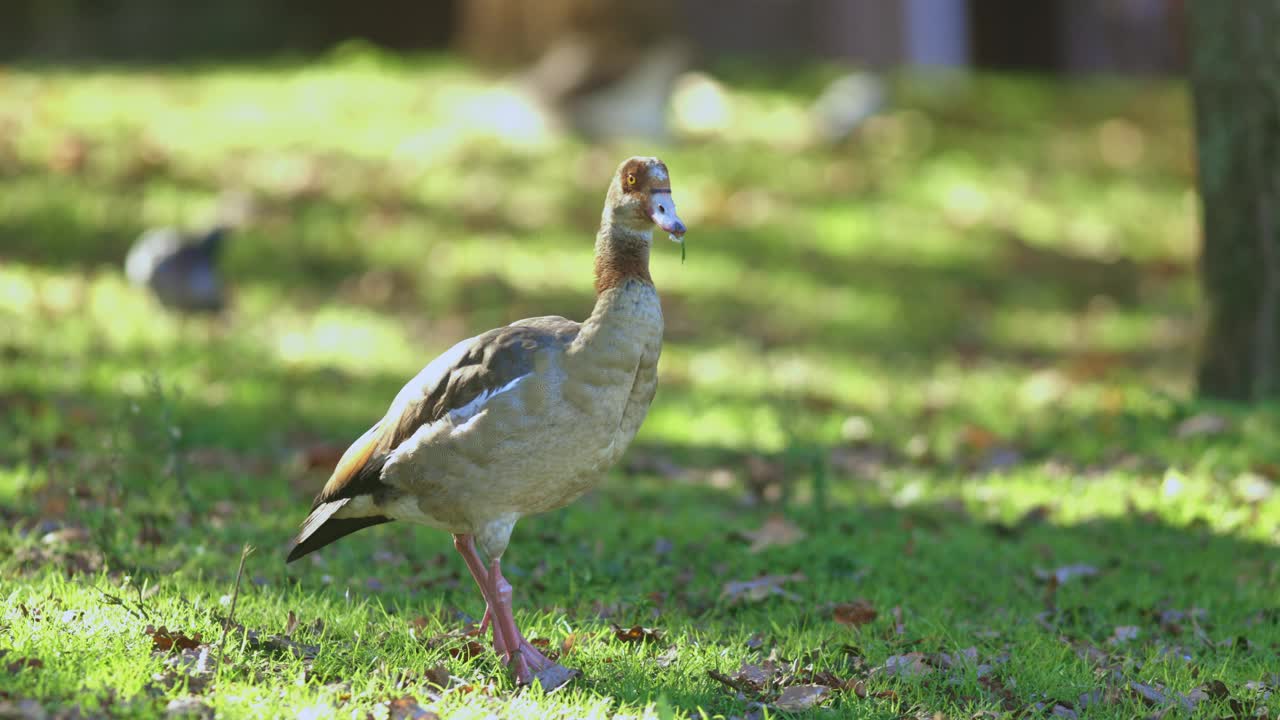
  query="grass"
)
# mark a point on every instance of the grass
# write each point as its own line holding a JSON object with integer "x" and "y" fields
{"x": 954, "y": 351}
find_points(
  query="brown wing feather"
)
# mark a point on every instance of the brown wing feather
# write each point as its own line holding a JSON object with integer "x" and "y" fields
{"x": 355, "y": 458}
{"x": 450, "y": 381}
{"x": 457, "y": 377}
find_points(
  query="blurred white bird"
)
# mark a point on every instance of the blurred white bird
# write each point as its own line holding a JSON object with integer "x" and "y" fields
{"x": 601, "y": 99}
{"x": 847, "y": 103}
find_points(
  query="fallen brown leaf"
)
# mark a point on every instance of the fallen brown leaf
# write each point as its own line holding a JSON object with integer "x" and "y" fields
{"x": 1152, "y": 695}
{"x": 407, "y": 708}
{"x": 912, "y": 664}
{"x": 1215, "y": 689}
{"x": 826, "y": 678}
{"x": 283, "y": 643}
{"x": 567, "y": 644}
{"x": 776, "y": 531}
{"x": 468, "y": 650}
{"x": 23, "y": 663}
{"x": 855, "y": 614}
{"x": 799, "y": 698}
{"x": 438, "y": 675}
{"x": 164, "y": 639}
{"x": 748, "y": 679}
{"x": 637, "y": 634}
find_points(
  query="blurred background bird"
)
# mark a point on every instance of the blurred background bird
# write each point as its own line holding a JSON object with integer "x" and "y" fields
{"x": 180, "y": 269}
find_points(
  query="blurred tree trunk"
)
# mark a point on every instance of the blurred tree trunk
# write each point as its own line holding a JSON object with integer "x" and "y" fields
{"x": 1235, "y": 72}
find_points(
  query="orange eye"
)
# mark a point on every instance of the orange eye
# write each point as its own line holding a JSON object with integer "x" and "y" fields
{"x": 631, "y": 179}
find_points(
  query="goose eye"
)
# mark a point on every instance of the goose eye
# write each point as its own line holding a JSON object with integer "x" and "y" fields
{"x": 631, "y": 179}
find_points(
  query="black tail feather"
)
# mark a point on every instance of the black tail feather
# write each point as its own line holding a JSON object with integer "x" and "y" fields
{"x": 321, "y": 528}
{"x": 330, "y": 531}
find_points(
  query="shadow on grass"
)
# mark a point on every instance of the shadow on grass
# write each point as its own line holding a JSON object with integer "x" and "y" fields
{"x": 309, "y": 247}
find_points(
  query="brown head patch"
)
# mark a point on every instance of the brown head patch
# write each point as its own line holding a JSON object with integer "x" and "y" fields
{"x": 644, "y": 176}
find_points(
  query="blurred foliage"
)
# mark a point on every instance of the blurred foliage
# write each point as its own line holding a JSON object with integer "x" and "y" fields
{"x": 987, "y": 248}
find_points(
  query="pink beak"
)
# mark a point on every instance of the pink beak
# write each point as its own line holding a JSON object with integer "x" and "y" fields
{"x": 663, "y": 211}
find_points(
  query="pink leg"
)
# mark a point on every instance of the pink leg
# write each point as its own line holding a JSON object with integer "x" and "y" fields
{"x": 527, "y": 661}
{"x": 466, "y": 547}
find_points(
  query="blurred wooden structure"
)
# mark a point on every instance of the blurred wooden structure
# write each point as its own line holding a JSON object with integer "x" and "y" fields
{"x": 1045, "y": 35}
{"x": 1042, "y": 35}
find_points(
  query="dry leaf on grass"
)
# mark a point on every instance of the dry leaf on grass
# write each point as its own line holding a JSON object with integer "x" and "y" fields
{"x": 637, "y": 634}
{"x": 164, "y": 639}
{"x": 760, "y": 588}
{"x": 407, "y": 708}
{"x": 798, "y": 698}
{"x": 749, "y": 679}
{"x": 438, "y": 675}
{"x": 854, "y": 614}
{"x": 776, "y": 531}
{"x": 912, "y": 664}
{"x": 282, "y": 643}
{"x": 567, "y": 643}
{"x": 1150, "y": 694}
{"x": 24, "y": 663}
{"x": 468, "y": 650}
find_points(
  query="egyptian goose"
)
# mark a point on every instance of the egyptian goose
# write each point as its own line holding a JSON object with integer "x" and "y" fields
{"x": 180, "y": 270}
{"x": 518, "y": 420}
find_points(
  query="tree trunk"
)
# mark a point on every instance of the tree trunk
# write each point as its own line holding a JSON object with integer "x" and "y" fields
{"x": 1235, "y": 73}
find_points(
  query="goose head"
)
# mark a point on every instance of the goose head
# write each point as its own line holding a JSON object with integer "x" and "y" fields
{"x": 640, "y": 197}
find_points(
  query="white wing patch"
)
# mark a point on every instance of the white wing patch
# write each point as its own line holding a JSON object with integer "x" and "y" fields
{"x": 455, "y": 422}
{"x": 462, "y": 417}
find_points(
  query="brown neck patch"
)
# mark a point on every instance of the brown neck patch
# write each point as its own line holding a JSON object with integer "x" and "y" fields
{"x": 618, "y": 262}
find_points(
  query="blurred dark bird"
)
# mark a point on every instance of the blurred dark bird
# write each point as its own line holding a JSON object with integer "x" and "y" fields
{"x": 180, "y": 270}
{"x": 519, "y": 420}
